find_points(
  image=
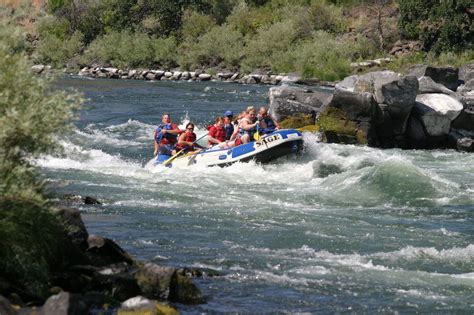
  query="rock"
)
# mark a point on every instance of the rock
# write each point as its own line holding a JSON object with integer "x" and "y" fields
{"x": 154, "y": 281}
{"x": 150, "y": 76}
{"x": 104, "y": 251}
{"x": 185, "y": 75}
{"x": 465, "y": 144}
{"x": 466, "y": 72}
{"x": 176, "y": 75}
{"x": 415, "y": 133}
{"x": 5, "y": 307}
{"x": 84, "y": 72}
{"x": 447, "y": 76}
{"x": 427, "y": 85}
{"x": 140, "y": 305}
{"x": 74, "y": 226}
{"x": 367, "y": 82}
{"x": 436, "y": 112}
{"x": 119, "y": 286}
{"x": 235, "y": 76}
{"x": 183, "y": 290}
{"x": 465, "y": 120}
{"x": 204, "y": 77}
{"x": 111, "y": 70}
{"x": 37, "y": 69}
{"x": 249, "y": 80}
{"x": 467, "y": 87}
{"x": 168, "y": 74}
{"x": 224, "y": 75}
{"x": 64, "y": 303}
{"x": 290, "y": 78}
{"x": 399, "y": 96}
{"x": 286, "y": 101}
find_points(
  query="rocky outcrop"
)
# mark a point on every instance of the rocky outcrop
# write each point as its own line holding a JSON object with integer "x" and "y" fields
{"x": 447, "y": 76}
{"x": 97, "y": 273}
{"x": 286, "y": 101}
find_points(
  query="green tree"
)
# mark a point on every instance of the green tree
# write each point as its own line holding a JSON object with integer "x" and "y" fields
{"x": 439, "y": 25}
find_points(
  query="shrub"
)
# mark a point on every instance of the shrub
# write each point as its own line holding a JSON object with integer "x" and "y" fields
{"x": 56, "y": 50}
{"x": 248, "y": 20}
{"x": 221, "y": 46}
{"x": 195, "y": 25}
{"x": 129, "y": 50}
{"x": 440, "y": 25}
{"x": 271, "y": 41}
{"x": 31, "y": 116}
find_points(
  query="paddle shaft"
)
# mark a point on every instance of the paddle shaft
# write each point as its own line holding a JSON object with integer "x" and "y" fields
{"x": 171, "y": 159}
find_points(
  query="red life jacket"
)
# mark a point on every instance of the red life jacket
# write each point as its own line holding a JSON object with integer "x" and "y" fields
{"x": 188, "y": 137}
{"x": 217, "y": 132}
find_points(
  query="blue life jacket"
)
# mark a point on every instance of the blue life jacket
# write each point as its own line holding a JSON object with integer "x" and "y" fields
{"x": 166, "y": 138}
{"x": 229, "y": 130}
{"x": 270, "y": 125}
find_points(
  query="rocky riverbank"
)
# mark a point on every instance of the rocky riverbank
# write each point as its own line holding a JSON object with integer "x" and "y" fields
{"x": 425, "y": 108}
{"x": 101, "y": 276}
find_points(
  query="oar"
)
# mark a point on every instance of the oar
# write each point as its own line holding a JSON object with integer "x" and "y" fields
{"x": 171, "y": 159}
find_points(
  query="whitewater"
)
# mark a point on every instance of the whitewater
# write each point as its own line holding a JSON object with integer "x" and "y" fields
{"x": 341, "y": 228}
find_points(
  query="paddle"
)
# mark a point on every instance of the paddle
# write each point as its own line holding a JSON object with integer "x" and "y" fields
{"x": 171, "y": 159}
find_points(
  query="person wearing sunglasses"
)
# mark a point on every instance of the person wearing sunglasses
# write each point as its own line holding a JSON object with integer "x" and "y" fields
{"x": 186, "y": 140}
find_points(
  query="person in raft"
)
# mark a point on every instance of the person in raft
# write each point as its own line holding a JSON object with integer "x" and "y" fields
{"x": 268, "y": 123}
{"x": 166, "y": 136}
{"x": 216, "y": 132}
{"x": 245, "y": 130}
{"x": 228, "y": 124}
{"x": 186, "y": 141}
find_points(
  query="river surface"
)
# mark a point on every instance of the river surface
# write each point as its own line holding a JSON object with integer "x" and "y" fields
{"x": 340, "y": 229}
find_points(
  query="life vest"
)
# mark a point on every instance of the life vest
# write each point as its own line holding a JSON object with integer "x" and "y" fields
{"x": 269, "y": 122}
{"x": 189, "y": 137}
{"x": 166, "y": 138}
{"x": 250, "y": 131}
{"x": 217, "y": 132}
{"x": 229, "y": 130}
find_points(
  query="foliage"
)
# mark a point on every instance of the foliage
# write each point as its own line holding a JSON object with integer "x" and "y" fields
{"x": 222, "y": 45}
{"x": 127, "y": 50}
{"x": 195, "y": 25}
{"x": 31, "y": 117}
{"x": 56, "y": 51}
{"x": 440, "y": 25}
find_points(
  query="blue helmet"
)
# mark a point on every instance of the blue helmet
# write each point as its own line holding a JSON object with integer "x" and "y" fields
{"x": 229, "y": 113}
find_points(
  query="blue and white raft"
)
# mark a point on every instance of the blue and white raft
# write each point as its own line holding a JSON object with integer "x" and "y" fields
{"x": 267, "y": 148}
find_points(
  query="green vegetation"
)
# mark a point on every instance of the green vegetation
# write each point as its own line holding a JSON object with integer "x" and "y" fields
{"x": 315, "y": 38}
{"x": 31, "y": 117}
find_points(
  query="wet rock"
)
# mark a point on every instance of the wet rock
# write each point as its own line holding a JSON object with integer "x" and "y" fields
{"x": 154, "y": 281}
{"x": 465, "y": 144}
{"x": 73, "y": 226}
{"x": 183, "y": 290}
{"x": 103, "y": 251}
{"x": 78, "y": 199}
{"x": 64, "y": 303}
{"x": 140, "y": 305}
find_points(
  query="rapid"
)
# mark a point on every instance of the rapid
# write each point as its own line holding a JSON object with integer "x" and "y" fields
{"x": 341, "y": 228}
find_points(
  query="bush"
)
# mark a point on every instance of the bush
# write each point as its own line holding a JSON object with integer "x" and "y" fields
{"x": 440, "y": 25}
{"x": 195, "y": 25}
{"x": 323, "y": 57}
{"x": 31, "y": 116}
{"x": 56, "y": 51}
{"x": 221, "y": 46}
{"x": 268, "y": 45}
{"x": 129, "y": 50}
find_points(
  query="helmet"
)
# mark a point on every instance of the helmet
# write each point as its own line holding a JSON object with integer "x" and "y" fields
{"x": 229, "y": 113}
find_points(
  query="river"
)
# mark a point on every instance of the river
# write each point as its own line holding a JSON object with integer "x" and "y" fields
{"x": 340, "y": 229}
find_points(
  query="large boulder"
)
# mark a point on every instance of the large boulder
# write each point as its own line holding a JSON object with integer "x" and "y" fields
{"x": 350, "y": 118}
{"x": 287, "y": 101}
{"x": 154, "y": 280}
{"x": 73, "y": 226}
{"x": 64, "y": 303}
{"x": 447, "y": 76}
{"x": 465, "y": 120}
{"x": 367, "y": 82}
{"x": 437, "y": 111}
{"x": 427, "y": 85}
{"x": 103, "y": 251}
{"x": 399, "y": 96}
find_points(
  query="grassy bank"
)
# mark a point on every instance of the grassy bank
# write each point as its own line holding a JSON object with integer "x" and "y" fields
{"x": 315, "y": 38}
